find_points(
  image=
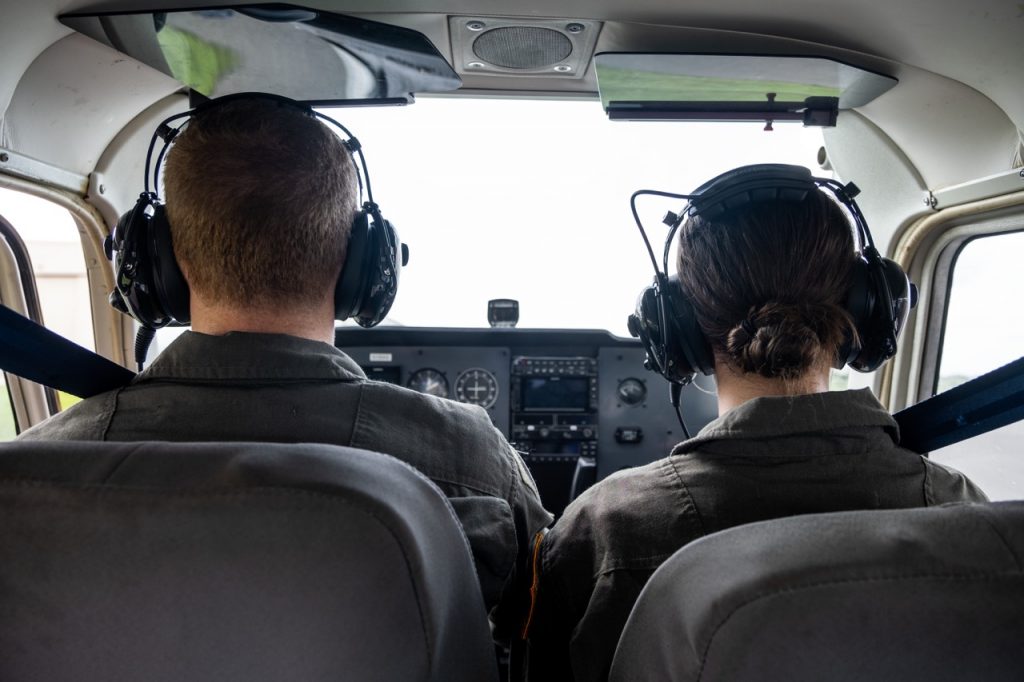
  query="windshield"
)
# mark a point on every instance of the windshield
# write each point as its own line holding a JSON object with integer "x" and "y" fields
{"x": 529, "y": 199}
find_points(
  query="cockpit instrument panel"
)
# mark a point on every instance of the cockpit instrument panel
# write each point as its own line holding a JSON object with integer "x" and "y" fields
{"x": 578, "y": 405}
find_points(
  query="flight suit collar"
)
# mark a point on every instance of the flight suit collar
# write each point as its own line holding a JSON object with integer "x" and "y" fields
{"x": 250, "y": 357}
{"x": 778, "y": 425}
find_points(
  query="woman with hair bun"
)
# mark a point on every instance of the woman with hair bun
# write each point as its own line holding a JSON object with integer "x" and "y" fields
{"x": 768, "y": 281}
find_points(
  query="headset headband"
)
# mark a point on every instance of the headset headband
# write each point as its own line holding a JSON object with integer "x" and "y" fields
{"x": 878, "y": 301}
{"x": 745, "y": 185}
{"x": 150, "y": 286}
{"x": 167, "y": 133}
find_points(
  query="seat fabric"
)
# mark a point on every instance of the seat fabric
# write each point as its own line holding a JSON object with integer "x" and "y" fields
{"x": 924, "y": 594}
{"x": 240, "y": 561}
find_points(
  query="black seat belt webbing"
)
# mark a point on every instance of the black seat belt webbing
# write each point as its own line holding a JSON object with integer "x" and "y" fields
{"x": 32, "y": 351}
{"x": 975, "y": 407}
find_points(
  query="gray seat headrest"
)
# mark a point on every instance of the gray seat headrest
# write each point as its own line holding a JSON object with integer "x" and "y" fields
{"x": 923, "y": 594}
{"x": 232, "y": 561}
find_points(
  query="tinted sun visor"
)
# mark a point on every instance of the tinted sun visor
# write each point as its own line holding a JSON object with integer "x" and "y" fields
{"x": 718, "y": 87}
{"x": 305, "y": 54}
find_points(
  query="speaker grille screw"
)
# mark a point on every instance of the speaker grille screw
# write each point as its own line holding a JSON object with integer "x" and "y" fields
{"x": 574, "y": 28}
{"x": 475, "y": 25}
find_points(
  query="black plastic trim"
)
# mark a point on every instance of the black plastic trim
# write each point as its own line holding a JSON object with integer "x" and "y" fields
{"x": 975, "y": 407}
{"x": 441, "y": 336}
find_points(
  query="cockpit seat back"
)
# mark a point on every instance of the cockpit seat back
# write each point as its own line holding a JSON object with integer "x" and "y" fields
{"x": 171, "y": 561}
{"x": 925, "y": 594}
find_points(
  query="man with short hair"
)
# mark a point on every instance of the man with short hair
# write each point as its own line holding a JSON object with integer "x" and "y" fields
{"x": 261, "y": 198}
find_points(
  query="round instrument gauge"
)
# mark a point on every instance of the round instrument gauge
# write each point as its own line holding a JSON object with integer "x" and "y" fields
{"x": 631, "y": 391}
{"x": 429, "y": 381}
{"x": 476, "y": 386}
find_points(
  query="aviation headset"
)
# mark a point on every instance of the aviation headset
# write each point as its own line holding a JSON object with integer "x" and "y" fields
{"x": 150, "y": 287}
{"x": 879, "y": 300}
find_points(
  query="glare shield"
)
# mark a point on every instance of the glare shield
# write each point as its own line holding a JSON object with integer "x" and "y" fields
{"x": 308, "y": 55}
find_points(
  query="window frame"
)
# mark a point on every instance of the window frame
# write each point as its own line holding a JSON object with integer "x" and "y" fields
{"x": 945, "y": 260}
{"x": 30, "y": 294}
{"x": 112, "y": 331}
{"x": 928, "y": 251}
{"x": 29, "y": 400}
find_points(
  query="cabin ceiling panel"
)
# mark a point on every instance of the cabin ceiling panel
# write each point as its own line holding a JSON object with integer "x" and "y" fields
{"x": 26, "y": 29}
{"x": 892, "y": 190}
{"x": 976, "y": 42}
{"x": 75, "y": 97}
{"x": 950, "y": 132}
{"x": 121, "y": 168}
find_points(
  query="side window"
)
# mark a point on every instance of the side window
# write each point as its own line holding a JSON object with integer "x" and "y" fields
{"x": 983, "y": 331}
{"x": 164, "y": 338}
{"x": 839, "y": 379}
{"x": 54, "y": 248}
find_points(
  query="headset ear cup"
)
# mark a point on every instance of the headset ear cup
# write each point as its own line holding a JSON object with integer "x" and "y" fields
{"x": 690, "y": 348}
{"x": 860, "y": 306}
{"x": 879, "y": 302}
{"x": 133, "y": 264}
{"x": 646, "y": 324}
{"x": 348, "y": 294}
{"x": 666, "y": 325}
{"x": 369, "y": 278}
{"x": 389, "y": 255}
{"x": 902, "y": 295}
{"x": 171, "y": 288}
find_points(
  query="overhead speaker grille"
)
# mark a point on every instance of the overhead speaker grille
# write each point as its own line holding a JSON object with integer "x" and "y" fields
{"x": 517, "y": 47}
{"x": 522, "y": 47}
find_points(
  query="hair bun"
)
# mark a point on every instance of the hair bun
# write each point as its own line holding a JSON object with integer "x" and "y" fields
{"x": 784, "y": 340}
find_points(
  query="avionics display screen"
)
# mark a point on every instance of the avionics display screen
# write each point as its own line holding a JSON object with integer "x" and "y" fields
{"x": 555, "y": 393}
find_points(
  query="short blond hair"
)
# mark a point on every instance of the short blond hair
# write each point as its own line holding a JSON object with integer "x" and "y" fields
{"x": 260, "y": 196}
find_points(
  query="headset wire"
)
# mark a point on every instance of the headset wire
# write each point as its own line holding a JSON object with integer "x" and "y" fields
{"x": 675, "y": 390}
{"x": 674, "y": 221}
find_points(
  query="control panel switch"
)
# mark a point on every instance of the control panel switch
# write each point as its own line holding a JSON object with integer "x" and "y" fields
{"x": 629, "y": 434}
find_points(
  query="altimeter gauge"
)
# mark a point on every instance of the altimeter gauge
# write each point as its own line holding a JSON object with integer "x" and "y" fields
{"x": 429, "y": 381}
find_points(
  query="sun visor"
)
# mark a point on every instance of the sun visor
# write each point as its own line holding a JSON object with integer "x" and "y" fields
{"x": 309, "y": 55}
{"x": 720, "y": 87}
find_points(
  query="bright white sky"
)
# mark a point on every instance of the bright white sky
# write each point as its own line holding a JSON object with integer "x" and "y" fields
{"x": 984, "y": 325}
{"x": 37, "y": 220}
{"x": 530, "y": 200}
